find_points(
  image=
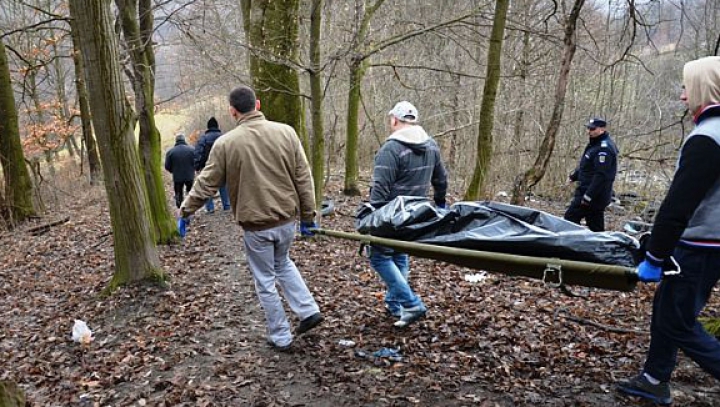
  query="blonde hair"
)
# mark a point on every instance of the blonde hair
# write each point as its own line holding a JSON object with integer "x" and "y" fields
{"x": 701, "y": 79}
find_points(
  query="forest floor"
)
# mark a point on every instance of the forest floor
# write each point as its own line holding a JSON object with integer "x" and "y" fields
{"x": 503, "y": 341}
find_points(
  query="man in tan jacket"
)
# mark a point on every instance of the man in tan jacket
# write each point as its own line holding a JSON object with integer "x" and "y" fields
{"x": 268, "y": 179}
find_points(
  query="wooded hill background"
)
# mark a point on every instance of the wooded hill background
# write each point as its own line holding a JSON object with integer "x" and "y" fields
{"x": 627, "y": 68}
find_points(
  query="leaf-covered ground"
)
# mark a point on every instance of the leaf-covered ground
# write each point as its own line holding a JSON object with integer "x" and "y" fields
{"x": 499, "y": 342}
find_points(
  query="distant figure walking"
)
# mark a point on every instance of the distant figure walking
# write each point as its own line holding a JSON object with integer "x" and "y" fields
{"x": 179, "y": 161}
{"x": 202, "y": 152}
{"x": 595, "y": 175}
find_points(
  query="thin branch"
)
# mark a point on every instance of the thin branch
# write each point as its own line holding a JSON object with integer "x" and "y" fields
{"x": 427, "y": 68}
{"x": 406, "y": 36}
{"x": 33, "y": 26}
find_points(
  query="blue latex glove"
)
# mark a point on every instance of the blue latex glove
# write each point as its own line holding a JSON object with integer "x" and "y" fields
{"x": 305, "y": 228}
{"x": 182, "y": 225}
{"x": 650, "y": 270}
{"x": 441, "y": 204}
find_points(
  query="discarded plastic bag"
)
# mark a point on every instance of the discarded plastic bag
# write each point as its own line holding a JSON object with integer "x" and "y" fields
{"x": 81, "y": 333}
{"x": 387, "y": 353}
{"x": 477, "y": 277}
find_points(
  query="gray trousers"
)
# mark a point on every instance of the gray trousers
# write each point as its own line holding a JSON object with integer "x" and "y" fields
{"x": 267, "y": 253}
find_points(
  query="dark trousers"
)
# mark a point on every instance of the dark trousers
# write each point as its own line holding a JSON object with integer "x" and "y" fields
{"x": 595, "y": 218}
{"x": 179, "y": 191}
{"x": 678, "y": 301}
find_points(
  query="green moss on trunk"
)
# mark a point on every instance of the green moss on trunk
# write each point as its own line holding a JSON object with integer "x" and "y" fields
{"x": 11, "y": 395}
{"x": 136, "y": 257}
{"x": 137, "y": 26}
{"x": 18, "y": 185}
{"x": 272, "y": 30}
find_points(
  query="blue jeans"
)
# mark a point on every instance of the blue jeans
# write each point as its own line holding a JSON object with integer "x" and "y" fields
{"x": 393, "y": 268}
{"x": 210, "y": 205}
{"x": 677, "y": 303}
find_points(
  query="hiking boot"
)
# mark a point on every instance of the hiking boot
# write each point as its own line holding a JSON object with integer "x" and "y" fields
{"x": 278, "y": 348}
{"x": 640, "y": 386}
{"x": 309, "y": 323}
{"x": 410, "y": 315}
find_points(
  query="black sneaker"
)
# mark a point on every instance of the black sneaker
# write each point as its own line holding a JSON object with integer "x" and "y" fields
{"x": 285, "y": 348}
{"x": 640, "y": 386}
{"x": 309, "y": 323}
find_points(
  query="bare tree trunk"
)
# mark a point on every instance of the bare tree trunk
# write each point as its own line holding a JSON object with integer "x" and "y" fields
{"x": 18, "y": 186}
{"x": 519, "y": 125}
{"x": 137, "y": 24}
{"x": 357, "y": 71}
{"x": 487, "y": 107}
{"x": 84, "y": 106}
{"x": 316, "y": 92}
{"x": 31, "y": 80}
{"x": 358, "y": 67}
{"x": 136, "y": 257}
{"x": 271, "y": 28}
{"x": 533, "y": 175}
{"x": 359, "y": 62}
{"x": 59, "y": 72}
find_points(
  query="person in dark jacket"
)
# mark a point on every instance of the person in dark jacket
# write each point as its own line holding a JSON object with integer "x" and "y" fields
{"x": 202, "y": 152}
{"x": 687, "y": 231}
{"x": 179, "y": 162}
{"x": 595, "y": 175}
{"x": 406, "y": 164}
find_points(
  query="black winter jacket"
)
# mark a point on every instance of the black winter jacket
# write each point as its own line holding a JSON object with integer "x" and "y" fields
{"x": 596, "y": 171}
{"x": 179, "y": 161}
{"x": 203, "y": 147}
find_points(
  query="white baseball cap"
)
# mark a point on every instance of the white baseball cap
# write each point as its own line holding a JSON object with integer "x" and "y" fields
{"x": 405, "y": 112}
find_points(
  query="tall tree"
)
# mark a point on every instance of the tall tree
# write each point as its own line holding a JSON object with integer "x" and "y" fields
{"x": 94, "y": 165}
{"x": 18, "y": 186}
{"x": 487, "y": 107}
{"x": 316, "y": 92}
{"x": 361, "y": 49}
{"x": 136, "y": 20}
{"x": 534, "y": 174}
{"x": 271, "y": 29}
{"x": 136, "y": 257}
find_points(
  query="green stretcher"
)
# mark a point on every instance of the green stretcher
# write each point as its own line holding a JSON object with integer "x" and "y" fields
{"x": 553, "y": 272}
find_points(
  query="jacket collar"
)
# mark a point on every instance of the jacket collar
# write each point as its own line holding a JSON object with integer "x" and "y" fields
{"x": 599, "y": 138}
{"x": 252, "y": 116}
{"x": 705, "y": 112}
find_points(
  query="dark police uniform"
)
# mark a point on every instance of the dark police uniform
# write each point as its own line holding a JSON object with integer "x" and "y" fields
{"x": 595, "y": 175}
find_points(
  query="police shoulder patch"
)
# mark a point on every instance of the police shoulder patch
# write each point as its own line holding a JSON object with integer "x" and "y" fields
{"x": 601, "y": 158}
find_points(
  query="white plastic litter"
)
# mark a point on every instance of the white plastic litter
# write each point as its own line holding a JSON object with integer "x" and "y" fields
{"x": 476, "y": 278}
{"x": 81, "y": 333}
{"x": 346, "y": 342}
